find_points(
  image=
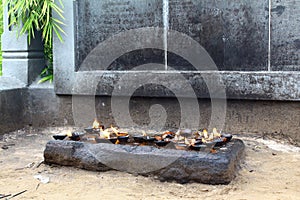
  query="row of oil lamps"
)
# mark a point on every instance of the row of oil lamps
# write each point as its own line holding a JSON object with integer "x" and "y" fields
{"x": 181, "y": 139}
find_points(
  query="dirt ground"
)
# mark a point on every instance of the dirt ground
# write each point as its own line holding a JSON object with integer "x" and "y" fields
{"x": 271, "y": 170}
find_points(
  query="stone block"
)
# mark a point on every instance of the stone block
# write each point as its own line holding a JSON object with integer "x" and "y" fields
{"x": 164, "y": 164}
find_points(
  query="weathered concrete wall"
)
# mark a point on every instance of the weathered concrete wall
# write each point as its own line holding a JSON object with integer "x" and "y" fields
{"x": 45, "y": 108}
{"x": 237, "y": 85}
{"x": 13, "y": 98}
{"x": 285, "y": 35}
{"x": 36, "y": 106}
{"x": 12, "y": 109}
{"x": 235, "y": 33}
{"x": 41, "y": 107}
{"x": 242, "y": 116}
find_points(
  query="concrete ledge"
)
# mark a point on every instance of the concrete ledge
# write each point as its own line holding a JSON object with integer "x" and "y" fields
{"x": 10, "y": 83}
{"x": 237, "y": 85}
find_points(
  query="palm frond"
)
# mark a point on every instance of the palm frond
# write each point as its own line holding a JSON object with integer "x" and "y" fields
{"x": 29, "y": 16}
{"x": 34, "y": 15}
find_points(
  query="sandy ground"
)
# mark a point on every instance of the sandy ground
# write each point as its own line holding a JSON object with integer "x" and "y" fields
{"x": 271, "y": 170}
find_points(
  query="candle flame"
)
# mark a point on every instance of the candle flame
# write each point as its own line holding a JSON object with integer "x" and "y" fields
{"x": 114, "y": 130}
{"x": 144, "y": 133}
{"x": 205, "y": 133}
{"x": 96, "y": 124}
{"x": 216, "y": 133}
{"x": 69, "y": 133}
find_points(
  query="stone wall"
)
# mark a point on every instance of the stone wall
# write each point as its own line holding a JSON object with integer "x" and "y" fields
{"x": 40, "y": 107}
{"x": 260, "y": 73}
{"x": 235, "y": 33}
{"x": 249, "y": 48}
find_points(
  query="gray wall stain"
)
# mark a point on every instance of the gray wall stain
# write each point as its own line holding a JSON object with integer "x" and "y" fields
{"x": 278, "y": 10}
{"x": 297, "y": 43}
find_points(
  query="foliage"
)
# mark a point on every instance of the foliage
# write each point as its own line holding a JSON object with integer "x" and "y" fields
{"x": 31, "y": 15}
{"x": 1, "y": 31}
{"x": 47, "y": 73}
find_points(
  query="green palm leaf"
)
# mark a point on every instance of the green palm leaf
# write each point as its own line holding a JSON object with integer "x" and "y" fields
{"x": 32, "y": 15}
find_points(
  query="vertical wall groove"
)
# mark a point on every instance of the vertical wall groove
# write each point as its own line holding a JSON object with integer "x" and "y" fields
{"x": 166, "y": 28}
{"x": 269, "y": 37}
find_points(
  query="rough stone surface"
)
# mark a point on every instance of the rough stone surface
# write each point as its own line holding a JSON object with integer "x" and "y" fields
{"x": 13, "y": 97}
{"x": 235, "y": 33}
{"x": 247, "y": 85}
{"x": 44, "y": 108}
{"x": 37, "y": 106}
{"x": 285, "y": 38}
{"x": 98, "y": 20}
{"x": 219, "y": 168}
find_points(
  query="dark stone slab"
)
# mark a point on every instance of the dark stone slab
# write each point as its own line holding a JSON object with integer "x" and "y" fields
{"x": 99, "y": 20}
{"x": 165, "y": 164}
{"x": 235, "y": 34}
{"x": 285, "y": 40}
